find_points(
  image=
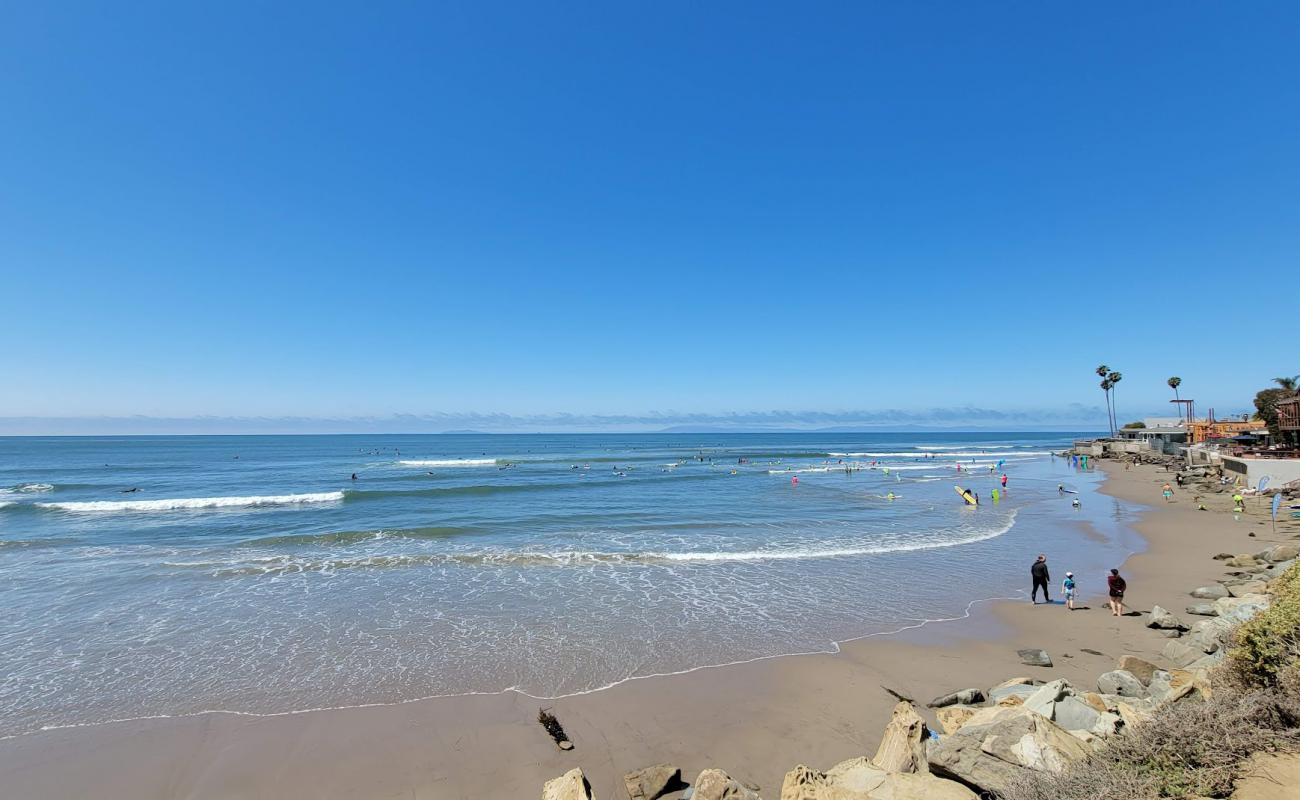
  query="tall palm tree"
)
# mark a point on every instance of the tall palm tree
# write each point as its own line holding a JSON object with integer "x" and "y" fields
{"x": 1102, "y": 372}
{"x": 1290, "y": 384}
{"x": 1114, "y": 378}
{"x": 1174, "y": 383}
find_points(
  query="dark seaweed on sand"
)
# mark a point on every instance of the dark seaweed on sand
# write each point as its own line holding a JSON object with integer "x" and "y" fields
{"x": 552, "y": 725}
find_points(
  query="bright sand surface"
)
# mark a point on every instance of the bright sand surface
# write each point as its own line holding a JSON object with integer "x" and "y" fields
{"x": 755, "y": 720}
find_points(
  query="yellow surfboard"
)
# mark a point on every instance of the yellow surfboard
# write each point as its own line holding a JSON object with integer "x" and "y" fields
{"x": 965, "y": 495}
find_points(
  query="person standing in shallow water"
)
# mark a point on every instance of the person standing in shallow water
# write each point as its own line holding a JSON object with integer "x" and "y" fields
{"x": 1117, "y": 588}
{"x": 1041, "y": 577}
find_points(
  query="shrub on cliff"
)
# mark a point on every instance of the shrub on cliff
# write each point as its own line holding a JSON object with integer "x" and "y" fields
{"x": 1266, "y": 649}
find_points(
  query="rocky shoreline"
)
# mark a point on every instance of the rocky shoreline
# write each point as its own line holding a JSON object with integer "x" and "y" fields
{"x": 987, "y": 739}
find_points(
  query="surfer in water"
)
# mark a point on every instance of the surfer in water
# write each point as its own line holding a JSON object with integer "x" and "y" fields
{"x": 354, "y": 476}
{"x": 132, "y": 489}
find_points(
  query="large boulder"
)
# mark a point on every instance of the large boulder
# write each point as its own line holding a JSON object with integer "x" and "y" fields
{"x": 1035, "y": 657}
{"x": 902, "y": 749}
{"x": 1208, "y": 634}
{"x": 966, "y": 697}
{"x": 991, "y": 755}
{"x": 1163, "y": 620}
{"x": 1212, "y": 592}
{"x": 1121, "y": 682}
{"x": 1180, "y": 654}
{"x": 859, "y": 779}
{"x": 1075, "y": 715}
{"x": 1281, "y": 552}
{"x": 1044, "y": 697}
{"x": 1017, "y": 687}
{"x": 1202, "y": 610}
{"x": 1139, "y": 667}
{"x": 1241, "y": 608}
{"x": 1240, "y": 561}
{"x": 1247, "y": 587}
{"x": 572, "y": 785}
{"x": 651, "y": 782}
{"x": 714, "y": 784}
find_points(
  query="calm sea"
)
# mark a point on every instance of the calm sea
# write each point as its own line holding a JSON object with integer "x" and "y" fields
{"x": 145, "y": 576}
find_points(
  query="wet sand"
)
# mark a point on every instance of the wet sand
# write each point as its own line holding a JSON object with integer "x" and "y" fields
{"x": 755, "y": 720}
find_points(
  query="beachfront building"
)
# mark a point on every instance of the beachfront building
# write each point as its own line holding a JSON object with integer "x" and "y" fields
{"x": 1251, "y": 468}
{"x": 1159, "y": 434}
{"x": 1215, "y": 430}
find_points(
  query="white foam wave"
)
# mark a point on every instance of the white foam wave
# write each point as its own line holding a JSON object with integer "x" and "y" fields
{"x": 29, "y": 488}
{"x": 970, "y": 454}
{"x": 803, "y": 470}
{"x": 785, "y": 555}
{"x": 4, "y": 503}
{"x": 187, "y": 503}
{"x": 449, "y": 462}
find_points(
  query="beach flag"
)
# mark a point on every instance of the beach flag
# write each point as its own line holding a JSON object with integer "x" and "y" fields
{"x": 1263, "y": 483}
{"x": 1277, "y": 502}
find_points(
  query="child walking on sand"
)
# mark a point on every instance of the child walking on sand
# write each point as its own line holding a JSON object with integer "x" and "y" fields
{"x": 1067, "y": 587}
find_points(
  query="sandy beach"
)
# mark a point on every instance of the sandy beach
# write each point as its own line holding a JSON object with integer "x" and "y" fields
{"x": 755, "y": 720}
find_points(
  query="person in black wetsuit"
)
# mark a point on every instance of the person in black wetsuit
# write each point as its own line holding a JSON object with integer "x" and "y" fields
{"x": 1041, "y": 579}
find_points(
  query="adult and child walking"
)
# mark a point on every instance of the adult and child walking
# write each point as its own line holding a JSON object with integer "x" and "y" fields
{"x": 1115, "y": 585}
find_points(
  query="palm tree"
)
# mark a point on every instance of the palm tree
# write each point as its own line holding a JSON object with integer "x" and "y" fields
{"x": 1114, "y": 378}
{"x": 1103, "y": 371}
{"x": 1290, "y": 384}
{"x": 1174, "y": 383}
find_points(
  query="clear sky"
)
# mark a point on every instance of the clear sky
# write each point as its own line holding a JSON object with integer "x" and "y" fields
{"x": 358, "y": 210}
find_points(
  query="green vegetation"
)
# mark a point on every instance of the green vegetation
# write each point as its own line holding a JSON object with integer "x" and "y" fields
{"x": 1132, "y": 426}
{"x": 1267, "y": 648}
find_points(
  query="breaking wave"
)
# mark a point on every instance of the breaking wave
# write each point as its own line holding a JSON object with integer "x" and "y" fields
{"x": 189, "y": 503}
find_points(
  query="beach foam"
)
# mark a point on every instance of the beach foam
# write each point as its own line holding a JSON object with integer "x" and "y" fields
{"x": 188, "y": 503}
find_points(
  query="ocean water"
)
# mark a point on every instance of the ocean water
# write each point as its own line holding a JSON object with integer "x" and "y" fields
{"x": 254, "y": 574}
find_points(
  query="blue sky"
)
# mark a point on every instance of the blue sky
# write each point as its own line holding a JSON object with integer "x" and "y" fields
{"x": 360, "y": 210}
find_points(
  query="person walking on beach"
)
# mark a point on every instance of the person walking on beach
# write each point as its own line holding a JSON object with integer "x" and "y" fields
{"x": 1004, "y": 480}
{"x": 1040, "y": 575}
{"x": 1167, "y": 491}
{"x": 1117, "y": 588}
{"x": 1067, "y": 588}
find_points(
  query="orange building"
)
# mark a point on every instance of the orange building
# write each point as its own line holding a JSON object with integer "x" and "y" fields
{"x": 1205, "y": 430}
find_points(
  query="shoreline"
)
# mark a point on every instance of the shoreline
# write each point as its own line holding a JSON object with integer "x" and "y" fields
{"x": 755, "y": 718}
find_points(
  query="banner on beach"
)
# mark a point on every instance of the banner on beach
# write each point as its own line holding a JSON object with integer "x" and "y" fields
{"x": 1263, "y": 483}
{"x": 1277, "y": 503}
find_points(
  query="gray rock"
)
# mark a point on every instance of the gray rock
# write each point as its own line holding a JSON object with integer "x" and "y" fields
{"x": 1160, "y": 685}
{"x": 1202, "y": 610}
{"x": 1035, "y": 657}
{"x": 1240, "y": 609}
{"x": 1121, "y": 682}
{"x": 1162, "y": 619}
{"x": 1023, "y": 691}
{"x": 1075, "y": 715}
{"x": 993, "y": 755}
{"x": 1170, "y": 634}
{"x": 1212, "y": 592}
{"x": 1044, "y": 698}
{"x": 965, "y": 697}
{"x": 1180, "y": 654}
{"x": 651, "y": 782}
